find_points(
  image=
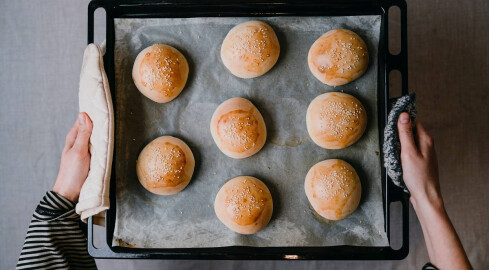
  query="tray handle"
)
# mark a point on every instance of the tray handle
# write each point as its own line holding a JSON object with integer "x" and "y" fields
{"x": 398, "y": 62}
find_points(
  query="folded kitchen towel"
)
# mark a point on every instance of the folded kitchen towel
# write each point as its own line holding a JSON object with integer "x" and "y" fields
{"x": 95, "y": 99}
{"x": 392, "y": 145}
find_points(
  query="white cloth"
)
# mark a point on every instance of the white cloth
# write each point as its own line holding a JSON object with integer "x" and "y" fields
{"x": 96, "y": 101}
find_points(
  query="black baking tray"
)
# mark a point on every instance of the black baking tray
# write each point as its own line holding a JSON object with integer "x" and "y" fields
{"x": 254, "y": 8}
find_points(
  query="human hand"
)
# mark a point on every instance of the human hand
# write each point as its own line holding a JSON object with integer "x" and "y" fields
{"x": 419, "y": 163}
{"x": 420, "y": 173}
{"x": 75, "y": 159}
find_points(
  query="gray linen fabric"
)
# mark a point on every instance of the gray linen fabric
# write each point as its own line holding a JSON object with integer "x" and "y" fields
{"x": 392, "y": 145}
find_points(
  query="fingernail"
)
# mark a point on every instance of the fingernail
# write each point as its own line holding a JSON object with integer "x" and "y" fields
{"x": 81, "y": 119}
{"x": 404, "y": 118}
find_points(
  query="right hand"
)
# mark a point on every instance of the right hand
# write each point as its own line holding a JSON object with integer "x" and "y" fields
{"x": 419, "y": 163}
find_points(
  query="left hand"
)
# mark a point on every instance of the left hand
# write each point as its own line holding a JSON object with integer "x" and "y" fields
{"x": 419, "y": 163}
{"x": 75, "y": 159}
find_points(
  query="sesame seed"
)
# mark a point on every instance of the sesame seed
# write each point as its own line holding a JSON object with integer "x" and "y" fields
{"x": 337, "y": 119}
{"x": 239, "y": 130}
{"x": 244, "y": 199}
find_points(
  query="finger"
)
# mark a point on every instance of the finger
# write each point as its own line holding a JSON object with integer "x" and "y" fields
{"x": 405, "y": 129}
{"x": 84, "y": 132}
{"x": 71, "y": 136}
{"x": 425, "y": 141}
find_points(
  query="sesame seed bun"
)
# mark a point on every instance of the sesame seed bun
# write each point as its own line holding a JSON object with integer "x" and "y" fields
{"x": 238, "y": 128}
{"x": 333, "y": 189}
{"x": 250, "y": 49}
{"x": 335, "y": 120}
{"x": 160, "y": 72}
{"x": 165, "y": 166}
{"x": 244, "y": 204}
{"x": 338, "y": 57}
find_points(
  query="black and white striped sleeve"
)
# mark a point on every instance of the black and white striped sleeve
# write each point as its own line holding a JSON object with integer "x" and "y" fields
{"x": 55, "y": 239}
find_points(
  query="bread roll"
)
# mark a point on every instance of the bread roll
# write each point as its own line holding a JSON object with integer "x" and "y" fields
{"x": 338, "y": 57}
{"x": 238, "y": 128}
{"x": 335, "y": 120}
{"x": 165, "y": 166}
{"x": 244, "y": 204}
{"x": 333, "y": 189}
{"x": 250, "y": 49}
{"x": 160, "y": 72}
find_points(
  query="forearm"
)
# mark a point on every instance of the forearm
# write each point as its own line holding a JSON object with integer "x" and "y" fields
{"x": 444, "y": 247}
{"x": 54, "y": 237}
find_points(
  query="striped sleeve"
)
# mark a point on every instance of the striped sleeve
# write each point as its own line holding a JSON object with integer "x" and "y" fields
{"x": 55, "y": 239}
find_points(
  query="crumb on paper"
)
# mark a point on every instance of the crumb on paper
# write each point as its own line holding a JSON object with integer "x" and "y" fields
{"x": 122, "y": 243}
{"x": 269, "y": 168}
{"x": 377, "y": 153}
{"x": 291, "y": 257}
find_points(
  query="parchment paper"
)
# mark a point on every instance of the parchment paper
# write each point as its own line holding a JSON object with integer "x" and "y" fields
{"x": 187, "y": 219}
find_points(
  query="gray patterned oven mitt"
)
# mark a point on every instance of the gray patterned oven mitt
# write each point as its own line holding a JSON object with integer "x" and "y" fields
{"x": 392, "y": 145}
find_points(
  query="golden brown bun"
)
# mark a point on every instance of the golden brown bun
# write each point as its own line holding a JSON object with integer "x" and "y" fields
{"x": 238, "y": 128}
{"x": 250, "y": 49}
{"x": 244, "y": 204}
{"x": 160, "y": 72}
{"x": 336, "y": 120}
{"x": 333, "y": 189}
{"x": 165, "y": 166}
{"x": 338, "y": 57}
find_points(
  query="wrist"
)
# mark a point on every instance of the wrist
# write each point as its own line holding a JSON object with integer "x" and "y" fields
{"x": 429, "y": 199}
{"x": 66, "y": 192}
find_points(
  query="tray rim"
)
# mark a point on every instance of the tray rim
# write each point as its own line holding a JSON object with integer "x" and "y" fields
{"x": 254, "y": 8}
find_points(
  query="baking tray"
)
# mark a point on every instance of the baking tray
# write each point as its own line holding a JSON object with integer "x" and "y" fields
{"x": 255, "y": 8}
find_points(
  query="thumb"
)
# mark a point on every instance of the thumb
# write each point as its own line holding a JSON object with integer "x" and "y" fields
{"x": 84, "y": 132}
{"x": 405, "y": 129}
